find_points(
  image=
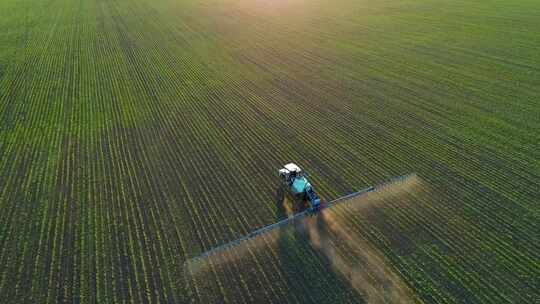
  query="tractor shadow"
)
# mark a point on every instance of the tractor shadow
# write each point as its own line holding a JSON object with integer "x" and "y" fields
{"x": 308, "y": 273}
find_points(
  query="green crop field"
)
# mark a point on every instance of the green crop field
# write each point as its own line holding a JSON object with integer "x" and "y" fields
{"x": 137, "y": 134}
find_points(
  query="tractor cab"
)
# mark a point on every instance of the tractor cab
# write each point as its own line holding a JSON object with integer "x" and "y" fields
{"x": 290, "y": 172}
{"x": 295, "y": 178}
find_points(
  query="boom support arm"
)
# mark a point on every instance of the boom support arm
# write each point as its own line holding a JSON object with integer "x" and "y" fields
{"x": 314, "y": 199}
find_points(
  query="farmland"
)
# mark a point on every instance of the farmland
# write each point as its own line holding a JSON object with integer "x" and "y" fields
{"x": 137, "y": 134}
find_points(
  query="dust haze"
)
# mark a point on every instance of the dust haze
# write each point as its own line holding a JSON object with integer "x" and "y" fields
{"x": 349, "y": 254}
{"x": 366, "y": 269}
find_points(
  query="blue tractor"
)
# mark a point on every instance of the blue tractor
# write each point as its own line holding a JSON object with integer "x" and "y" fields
{"x": 295, "y": 180}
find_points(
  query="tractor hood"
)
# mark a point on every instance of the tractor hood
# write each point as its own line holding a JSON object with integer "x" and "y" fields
{"x": 299, "y": 185}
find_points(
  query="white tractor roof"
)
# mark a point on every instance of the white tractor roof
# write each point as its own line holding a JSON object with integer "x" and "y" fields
{"x": 292, "y": 167}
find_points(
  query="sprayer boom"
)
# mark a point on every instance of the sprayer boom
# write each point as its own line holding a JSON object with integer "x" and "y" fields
{"x": 296, "y": 217}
